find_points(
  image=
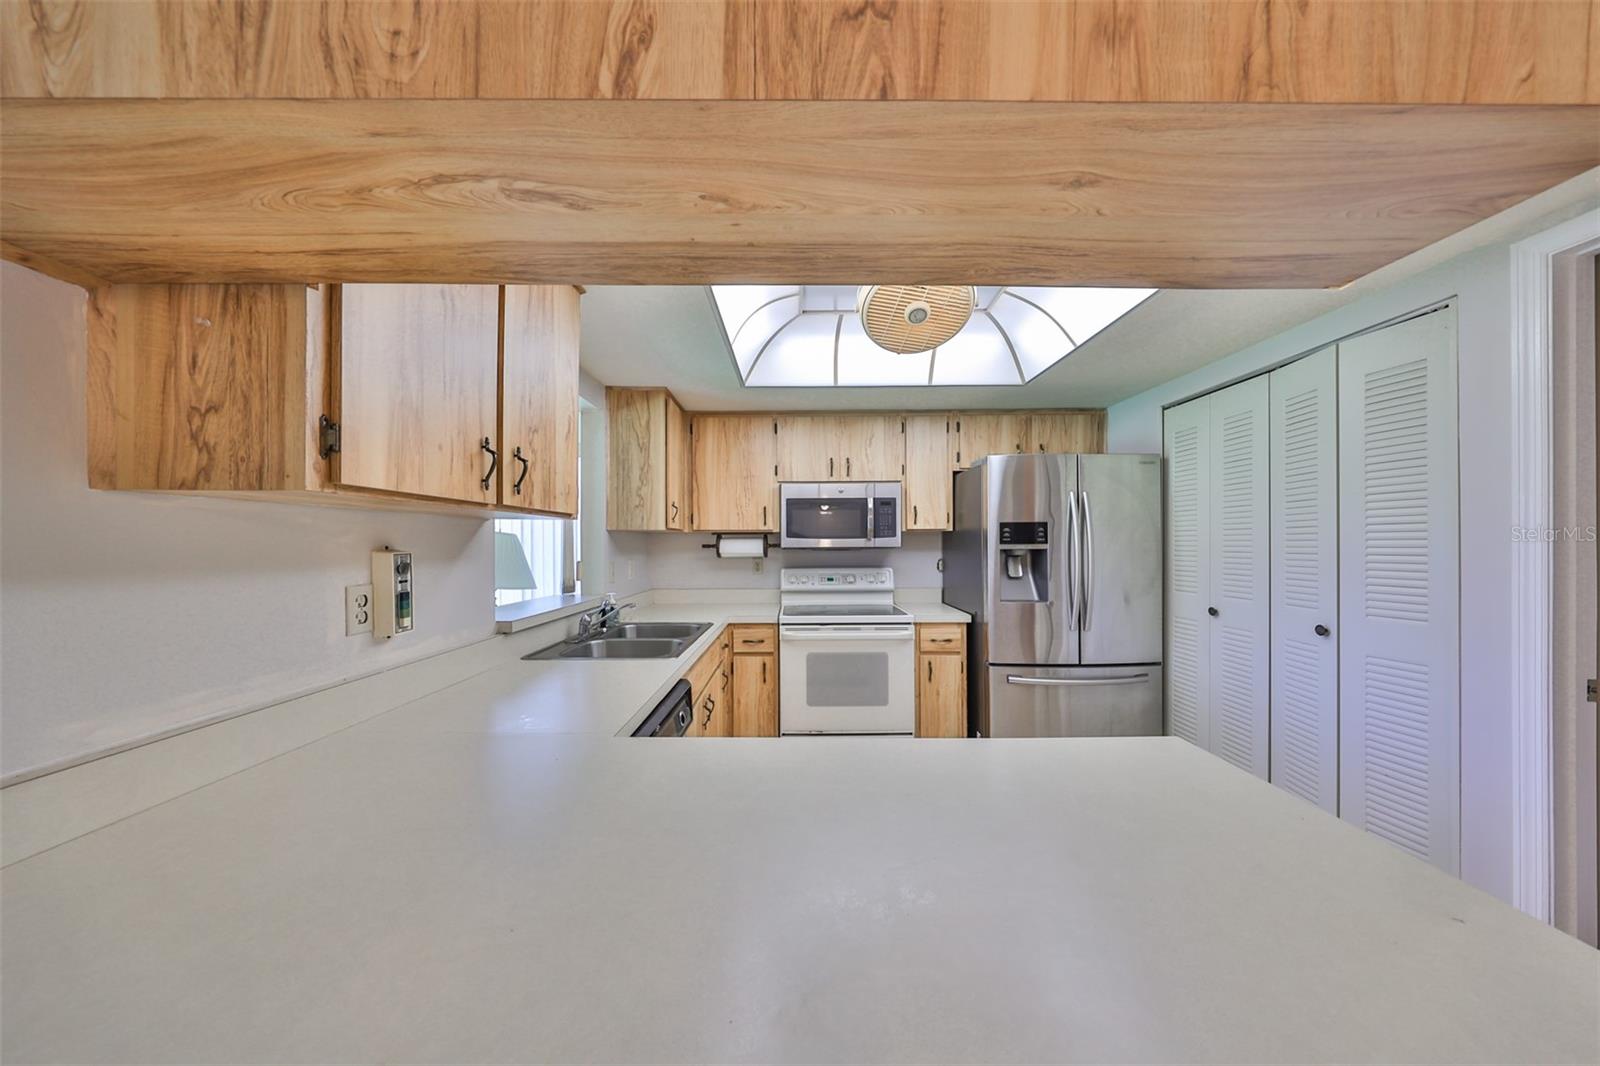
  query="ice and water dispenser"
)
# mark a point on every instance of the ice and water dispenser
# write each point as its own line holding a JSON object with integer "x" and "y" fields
{"x": 1025, "y": 557}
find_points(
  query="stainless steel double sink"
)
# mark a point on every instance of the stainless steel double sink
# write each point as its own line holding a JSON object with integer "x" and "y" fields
{"x": 629, "y": 640}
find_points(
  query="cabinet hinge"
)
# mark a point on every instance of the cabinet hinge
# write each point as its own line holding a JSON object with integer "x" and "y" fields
{"x": 902, "y": 470}
{"x": 774, "y": 469}
{"x": 327, "y": 436}
{"x": 1591, "y": 687}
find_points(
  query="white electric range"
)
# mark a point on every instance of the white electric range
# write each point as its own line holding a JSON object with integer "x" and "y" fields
{"x": 847, "y": 658}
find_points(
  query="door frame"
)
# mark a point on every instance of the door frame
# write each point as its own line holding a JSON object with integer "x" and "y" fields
{"x": 1534, "y": 263}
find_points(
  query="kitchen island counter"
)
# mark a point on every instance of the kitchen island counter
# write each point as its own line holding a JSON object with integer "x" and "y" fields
{"x": 413, "y": 894}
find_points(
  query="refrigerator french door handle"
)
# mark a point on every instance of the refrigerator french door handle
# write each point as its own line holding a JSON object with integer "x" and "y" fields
{"x": 1115, "y": 679}
{"x": 1072, "y": 560}
{"x": 1088, "y": 564}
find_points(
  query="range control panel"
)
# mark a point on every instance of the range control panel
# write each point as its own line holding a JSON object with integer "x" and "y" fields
{"x": 849, "y": 579}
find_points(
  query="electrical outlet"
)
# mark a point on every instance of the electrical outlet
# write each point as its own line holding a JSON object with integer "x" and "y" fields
{"x": 357, "y": 609}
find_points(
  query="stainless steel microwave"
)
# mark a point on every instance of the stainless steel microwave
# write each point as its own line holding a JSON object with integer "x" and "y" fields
{"x": 839, "y": 514}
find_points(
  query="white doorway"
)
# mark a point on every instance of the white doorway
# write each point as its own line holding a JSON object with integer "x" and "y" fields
{"x": 1557, "y": 629}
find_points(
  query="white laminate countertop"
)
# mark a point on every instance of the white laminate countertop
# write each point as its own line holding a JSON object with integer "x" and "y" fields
{"x": 489, "y": 874}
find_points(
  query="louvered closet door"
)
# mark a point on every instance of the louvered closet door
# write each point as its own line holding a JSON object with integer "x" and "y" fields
{"x": 1240, "y": 575}
{"x": 1305, "y": 578}
{"x": 1188, "y": 501}
{"x": 1399, "y": 683}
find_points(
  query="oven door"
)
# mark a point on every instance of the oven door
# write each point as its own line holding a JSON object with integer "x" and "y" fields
{"x": 825, "y": 515}
{"x": 847, "y": 679}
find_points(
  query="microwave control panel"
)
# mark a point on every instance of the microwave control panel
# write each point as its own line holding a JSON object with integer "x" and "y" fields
{"x": 885, "y": 517}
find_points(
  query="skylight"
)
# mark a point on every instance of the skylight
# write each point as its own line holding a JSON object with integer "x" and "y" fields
{"x": 811, "y": 335}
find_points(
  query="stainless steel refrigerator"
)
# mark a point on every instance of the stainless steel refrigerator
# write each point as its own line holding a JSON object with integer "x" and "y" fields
{"x": 1058, "y": 560}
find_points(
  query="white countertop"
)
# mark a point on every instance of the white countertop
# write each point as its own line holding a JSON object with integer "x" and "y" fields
{"x": 487, "y": 874}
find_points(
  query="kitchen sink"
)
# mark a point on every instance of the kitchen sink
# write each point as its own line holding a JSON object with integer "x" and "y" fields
{"x": 629, "y": 640}
{"x": 689, "y": 631}
{"x": 625, "y": 648}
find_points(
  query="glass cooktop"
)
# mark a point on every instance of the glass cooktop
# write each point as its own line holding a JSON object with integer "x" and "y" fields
{"x": 843, "y": 610}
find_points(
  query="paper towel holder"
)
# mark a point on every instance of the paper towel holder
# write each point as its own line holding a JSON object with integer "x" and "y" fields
{"x": 740, "y": 546}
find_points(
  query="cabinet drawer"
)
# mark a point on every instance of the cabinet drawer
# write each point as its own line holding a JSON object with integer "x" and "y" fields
{"x": 941, "y": 637}
{"x": 757, "y": 639}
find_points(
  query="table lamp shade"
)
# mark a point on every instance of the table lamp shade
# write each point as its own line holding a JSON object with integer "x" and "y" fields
{"x": 511, "y": 570}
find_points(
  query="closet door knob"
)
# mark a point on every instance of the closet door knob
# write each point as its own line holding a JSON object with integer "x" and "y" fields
{"x": 1212, "y": 611}
{"x": 1322, "y": 630}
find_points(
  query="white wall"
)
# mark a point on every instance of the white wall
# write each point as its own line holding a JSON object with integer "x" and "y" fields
{"x": 1480, "y": 282}
{"x": 678, "y": 561}
{"x": 132, "y": 614}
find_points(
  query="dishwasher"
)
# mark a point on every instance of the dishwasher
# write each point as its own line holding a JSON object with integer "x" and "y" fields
{"x": 672, "y": 716}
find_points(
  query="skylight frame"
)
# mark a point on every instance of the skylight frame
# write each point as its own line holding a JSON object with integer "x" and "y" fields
{"x": 1034, "y": 301}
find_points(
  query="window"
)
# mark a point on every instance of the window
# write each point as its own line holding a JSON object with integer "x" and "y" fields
{"x": 551, "y": 545}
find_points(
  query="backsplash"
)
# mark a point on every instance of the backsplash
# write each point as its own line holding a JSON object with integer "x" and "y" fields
{"x": 679, "y": 561}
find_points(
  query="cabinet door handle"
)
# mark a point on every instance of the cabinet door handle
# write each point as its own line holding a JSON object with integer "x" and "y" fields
{"x": 930, "y": 670}
{"x": 763, "y": 514}
{"x": 763, "y": 671}
{"x": 913, "y": 514}
{"x": 847, "y": 466}
{"x": 674, "y": 511}
{"x": 494, "y": 463}
{"x": 830, "y": 466}
{"x": 516, "y": 486}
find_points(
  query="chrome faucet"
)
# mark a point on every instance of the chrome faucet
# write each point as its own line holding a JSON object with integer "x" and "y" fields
{"x": 600, "y": 619}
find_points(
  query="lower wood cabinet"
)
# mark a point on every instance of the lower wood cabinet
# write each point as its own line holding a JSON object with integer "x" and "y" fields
{"x": 755, "y": 680}
{"x": 941, "y": 680}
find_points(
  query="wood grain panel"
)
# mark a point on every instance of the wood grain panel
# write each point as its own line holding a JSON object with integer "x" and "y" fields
{"x": 873, "y": 447}
{"x": 1181, "y": 51}
{"x": 941, "y": 637}
{"x": 735, "y": 487}
{"x": 622, "y": 50}
{"x": 808, "y": 448}
{"x": 942, "y": 690}
{"x": 418, "y": 391}
{"x": 754, "y": 640}
{"x": 636, "y": 459}
{"x": 928, "y": 465}
{"x": 656, "y": 192}
{"x": 982, "y": 433}
{"x": 539, "y": 399}
{"x": 679, "y": 481}
{"x": 197, "y": 387}
{"x": 1072, "y": 432}
{"x": 755, "y": 695}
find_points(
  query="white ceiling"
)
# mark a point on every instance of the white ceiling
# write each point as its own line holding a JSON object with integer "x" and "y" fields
{"x": 668, "y": 335}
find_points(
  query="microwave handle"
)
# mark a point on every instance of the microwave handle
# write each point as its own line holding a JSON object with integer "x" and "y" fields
{"x": 872, "y": 523}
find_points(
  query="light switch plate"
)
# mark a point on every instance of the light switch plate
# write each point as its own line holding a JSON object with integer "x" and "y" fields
{"x": 357, "y": 609}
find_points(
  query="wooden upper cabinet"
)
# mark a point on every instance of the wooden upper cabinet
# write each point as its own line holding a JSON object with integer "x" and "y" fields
{"x": 680, "y": 478}
{"x": 197, "y": 388}
{"x": 1079, "y": 432}
{"x": 873, "y": 446}
{"x": 928, "y": 476}
{"x": 988, "y": 433}
{"x": 849, "y": 447}
{"x": 808, "y": 448}
{"x": 647, "y": 461}
{"x": 735, "y": 473}
{"x": 418, "y": 397}
{"x": 539, "y": 399}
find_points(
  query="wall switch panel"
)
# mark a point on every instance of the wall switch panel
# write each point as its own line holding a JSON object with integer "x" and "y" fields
{"x": 391, "y": 593}
{"x": 357, "y": 609}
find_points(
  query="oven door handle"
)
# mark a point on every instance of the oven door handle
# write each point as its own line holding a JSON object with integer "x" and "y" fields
{"x": 838, "y": 633}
